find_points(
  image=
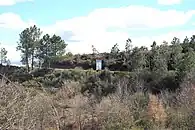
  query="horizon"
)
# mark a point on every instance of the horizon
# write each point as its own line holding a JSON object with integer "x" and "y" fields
{"x": 99, "y": 23}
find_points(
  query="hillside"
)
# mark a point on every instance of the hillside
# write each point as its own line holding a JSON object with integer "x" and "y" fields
{"x": 71, "y": 99}
{"x": 138, "y": 88}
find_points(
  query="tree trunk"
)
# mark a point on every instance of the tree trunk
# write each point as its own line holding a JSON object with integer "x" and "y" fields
{"x": 39, "y": 63}
{"x": 32, "y": 64}
{"x": 27, "y": 64}
{"x": 1, "y": 59}
{"x": 49, "y": 64}
{"x": 32, "y": 61}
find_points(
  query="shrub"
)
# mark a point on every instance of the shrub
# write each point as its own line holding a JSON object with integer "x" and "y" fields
{"x": 99, "y": 85}
{"x": 41, "y": 72}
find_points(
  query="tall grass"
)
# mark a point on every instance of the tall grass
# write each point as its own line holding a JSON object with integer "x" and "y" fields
{"x": 67, "y": 109}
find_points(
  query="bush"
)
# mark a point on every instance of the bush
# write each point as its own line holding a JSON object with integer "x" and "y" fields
{"x": 41, "y": 72}
{"x": 99, "y": 85}
{"x": 21, "y": 76}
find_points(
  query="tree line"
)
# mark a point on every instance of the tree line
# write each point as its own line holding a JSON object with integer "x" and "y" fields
{"x": 49, "y": 50}
{"x": 176, "y": 56}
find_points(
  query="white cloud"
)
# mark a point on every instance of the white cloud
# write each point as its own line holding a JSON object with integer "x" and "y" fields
{"x": 11, "y": 2}
{"x": 93, "y": 28}
{"x": 169, "y": 2}
{"x": 107, "y": 39}
{"x": 125, "y": 17}
{"x": 147, "y": 41}
{"x": 13, "y": 21}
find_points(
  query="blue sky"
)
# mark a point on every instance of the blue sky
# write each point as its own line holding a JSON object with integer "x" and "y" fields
{"x": 97, "y": 22}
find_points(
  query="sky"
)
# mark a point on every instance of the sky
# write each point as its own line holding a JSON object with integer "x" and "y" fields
{"x": 101, "y": 23}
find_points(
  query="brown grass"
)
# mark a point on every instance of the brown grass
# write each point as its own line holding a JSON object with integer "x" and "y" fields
{"x": 156, "y": 111}
{"x": 28, "y": 108}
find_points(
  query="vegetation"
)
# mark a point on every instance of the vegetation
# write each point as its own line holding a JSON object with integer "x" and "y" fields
{"x": 139, "y": 88}
{"x": 3, "y": 56}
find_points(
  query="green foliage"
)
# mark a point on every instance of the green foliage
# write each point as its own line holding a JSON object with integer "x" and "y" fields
{"x": 40, "y": 72}
{"x": 176, "y": 56}
{"x": 114, "y": 51}
{"x": 50, "y": 49}
{"x": 139, "y": 58}
{"x": 27, "y": 43}
{"x": 46, "y": 50}
{"x": 99, "y": 85}
{"x": 3, "y": 55}
{"x": 132, "y": 74}
{"x": 43, "y": 50}
{"x": 20, "y": 75}
{"x": 188, "y": 62}
{"x": 51, "y": 81}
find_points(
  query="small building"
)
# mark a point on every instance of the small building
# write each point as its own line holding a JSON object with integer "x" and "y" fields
{"x": 99, "y": 63}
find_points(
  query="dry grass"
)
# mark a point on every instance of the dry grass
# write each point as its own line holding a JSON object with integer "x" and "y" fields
{"x": 114, "y": 114}
{"x": 183, "y": 115}
{"x": 31, "y": 109}
{"x": 156, "y": 111}
{"x": 24, "y": 108}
